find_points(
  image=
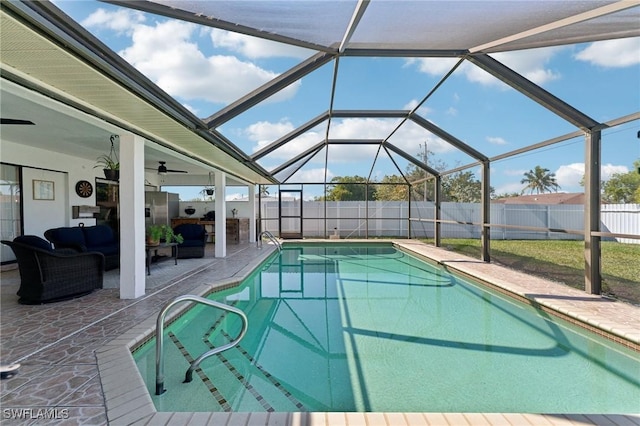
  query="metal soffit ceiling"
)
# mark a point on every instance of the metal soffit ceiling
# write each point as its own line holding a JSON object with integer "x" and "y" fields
{"x": 57, "y": 65}
{"x": 98, "y": 78}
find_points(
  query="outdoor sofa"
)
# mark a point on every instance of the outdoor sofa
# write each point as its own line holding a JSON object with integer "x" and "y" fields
{"x": 48, "y": 275}
{"x": 98, "y": 238}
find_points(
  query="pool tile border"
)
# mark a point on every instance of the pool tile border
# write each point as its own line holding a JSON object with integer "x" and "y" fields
{"x": 128, "y": 401}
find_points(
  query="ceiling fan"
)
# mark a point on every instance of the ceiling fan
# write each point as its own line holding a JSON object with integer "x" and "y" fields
{"x": 162, "y": 169}
{"x": 15, "y": 121}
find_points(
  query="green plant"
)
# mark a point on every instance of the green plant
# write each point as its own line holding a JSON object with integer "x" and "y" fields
{"x": 105, "y": 161}
{"x": 109, "y": 161}
{"x": 156, "y": 233}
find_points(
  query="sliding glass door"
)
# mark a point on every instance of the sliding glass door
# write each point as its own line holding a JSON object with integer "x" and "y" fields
{"x": 10, "y": 208}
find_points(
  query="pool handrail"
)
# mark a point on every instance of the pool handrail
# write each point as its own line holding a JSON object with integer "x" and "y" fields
{"x": 270, "y": 236}
{"x": 195, "y": 363}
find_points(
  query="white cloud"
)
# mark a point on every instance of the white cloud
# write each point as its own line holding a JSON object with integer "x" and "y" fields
{"x": 496, "y": 140}
{"x": 311, "y": 175}
{"x": 122, "y": 21}
{"x": 168, "y": 54}
{"x": 530, "y": 63}
{"x": 264, "y": 132}
{"x": 607, "y": 170}
{"x": 509, "y": 188}
{"x": 408, "y": 138}
{"x": 612, "y": 53}
{"x": 423, "y": 110}
{"x": 254, "y": 47}
{"x": 437, "y": 67}
{"x": 568, "y": 176}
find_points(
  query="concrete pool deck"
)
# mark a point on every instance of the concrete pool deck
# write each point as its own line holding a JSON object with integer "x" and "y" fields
{"x": 76, "y": 359}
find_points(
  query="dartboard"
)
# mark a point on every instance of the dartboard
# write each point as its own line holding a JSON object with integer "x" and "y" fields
{"x": 84, "y": 188}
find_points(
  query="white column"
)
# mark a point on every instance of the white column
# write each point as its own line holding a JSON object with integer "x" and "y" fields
{"x": 132, "y": 251}
{"x": 252, "y": 213}
{"x": 221, "y": 214}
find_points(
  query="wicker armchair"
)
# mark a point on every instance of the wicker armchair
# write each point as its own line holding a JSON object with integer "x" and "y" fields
{"x": 48, "y": 275}
{"x": 195, "y": 239}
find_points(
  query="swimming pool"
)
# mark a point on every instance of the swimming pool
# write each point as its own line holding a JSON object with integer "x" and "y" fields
{"x": 369, "y": 328}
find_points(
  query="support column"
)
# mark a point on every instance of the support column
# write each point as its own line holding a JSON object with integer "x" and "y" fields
{"x": 437, "y": 192}
{"x": 132, "y": 238}
{"x": 592, "y": 266}
{"x": 252, "y": 213}
{"x": 485, "y": 219}
{"x": 221, "y": 214}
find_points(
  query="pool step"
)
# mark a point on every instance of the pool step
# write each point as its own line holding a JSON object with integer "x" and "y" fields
{"x": 234, "y": 379}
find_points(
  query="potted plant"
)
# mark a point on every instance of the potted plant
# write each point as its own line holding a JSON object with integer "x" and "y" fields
{"x": 110, "y": 166}
{"x": 109, "y": 163}
{"x": 208, "y": 190}
{"x": 158, "y": 233}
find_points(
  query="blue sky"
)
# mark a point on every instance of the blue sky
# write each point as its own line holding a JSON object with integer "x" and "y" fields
{"x": 206, "y": 69}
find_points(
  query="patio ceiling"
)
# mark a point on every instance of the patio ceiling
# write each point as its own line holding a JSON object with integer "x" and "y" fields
{"x": 62, "y": 83}
{"x": 43, "y": 49}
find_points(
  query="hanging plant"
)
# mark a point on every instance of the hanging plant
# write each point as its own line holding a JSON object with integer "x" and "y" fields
{"x": 109, "y": 162}
{"x": 208, "y": 190}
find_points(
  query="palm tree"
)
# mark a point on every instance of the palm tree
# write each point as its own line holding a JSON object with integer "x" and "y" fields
{"x": 540, "y": 180}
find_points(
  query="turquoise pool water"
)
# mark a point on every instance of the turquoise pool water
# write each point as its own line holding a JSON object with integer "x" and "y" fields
{"x": 370, "y": 328}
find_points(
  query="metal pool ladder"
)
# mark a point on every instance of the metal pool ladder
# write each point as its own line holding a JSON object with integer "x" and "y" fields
{"x": 270, "y": 236}
{"x": 159, "y": 337}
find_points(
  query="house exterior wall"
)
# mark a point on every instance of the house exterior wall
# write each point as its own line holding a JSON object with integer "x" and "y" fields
{"x": 64, "y": 170}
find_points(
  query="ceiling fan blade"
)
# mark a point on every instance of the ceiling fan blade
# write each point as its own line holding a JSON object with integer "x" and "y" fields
{"x": 16, "y": 121}
{"x": 162, "y": 169}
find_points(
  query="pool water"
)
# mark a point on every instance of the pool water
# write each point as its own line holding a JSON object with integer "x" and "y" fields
{"x": 371, "y": 328}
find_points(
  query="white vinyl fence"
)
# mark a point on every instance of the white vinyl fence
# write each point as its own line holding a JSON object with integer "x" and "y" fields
{"x": 389, "y": 219}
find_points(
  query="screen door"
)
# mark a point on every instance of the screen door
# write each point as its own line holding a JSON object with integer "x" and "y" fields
{"x": 290, "y": 213}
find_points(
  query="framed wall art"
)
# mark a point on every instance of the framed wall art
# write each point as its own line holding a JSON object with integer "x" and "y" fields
{"x": 43, "y": 190}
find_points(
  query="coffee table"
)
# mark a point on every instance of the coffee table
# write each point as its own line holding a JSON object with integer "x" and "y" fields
{"x": 154, "y": 248}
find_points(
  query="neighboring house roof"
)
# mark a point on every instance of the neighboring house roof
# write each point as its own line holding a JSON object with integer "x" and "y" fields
{"x": 553, "y": 198}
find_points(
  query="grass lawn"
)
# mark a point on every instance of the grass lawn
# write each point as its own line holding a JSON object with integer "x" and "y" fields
{"x": 563, "y": 261}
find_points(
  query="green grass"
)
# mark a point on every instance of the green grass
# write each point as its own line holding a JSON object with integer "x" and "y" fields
{"x": 563, "y": 261}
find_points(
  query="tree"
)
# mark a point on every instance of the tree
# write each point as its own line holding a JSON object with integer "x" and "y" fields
{"x": 506, "y": 195}
{"x": 623, "y": 187}
{"x": 462, "y": 187}
{"x": 392, "y": 188}
{"x": 540, "y": 180}
{"x": 350, "y": 188}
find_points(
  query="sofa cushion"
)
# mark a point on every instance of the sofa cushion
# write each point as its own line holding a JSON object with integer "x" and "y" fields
{"x": 34, "y": 241}
{"x": 107, "y": 249}
{"x": 190, "y": 231}
{"x": 192, "y": 243}
{"x": 97, "y": 236}
{"x": 68, "y": 236}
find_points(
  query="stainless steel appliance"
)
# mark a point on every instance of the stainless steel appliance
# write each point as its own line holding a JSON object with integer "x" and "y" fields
{"x": 161, "y": 207}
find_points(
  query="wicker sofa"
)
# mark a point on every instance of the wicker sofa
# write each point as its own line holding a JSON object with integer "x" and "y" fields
{"x": 99, "y": 238}
{"x": 48, "y": 275}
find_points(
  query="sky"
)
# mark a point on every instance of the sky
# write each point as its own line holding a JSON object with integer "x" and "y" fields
{"x": 206, "y": 69}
